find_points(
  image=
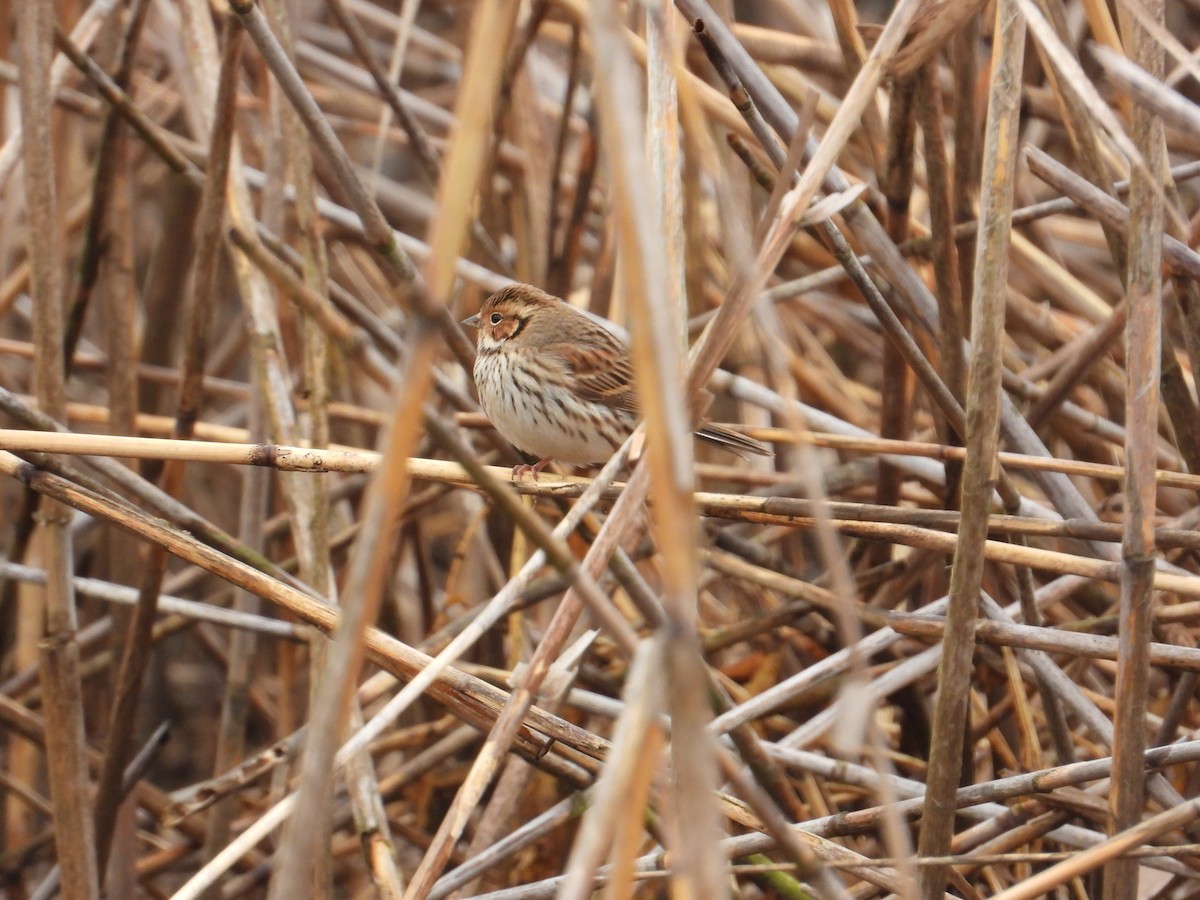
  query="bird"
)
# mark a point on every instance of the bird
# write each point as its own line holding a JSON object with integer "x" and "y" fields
{"x": 558, "y": 385}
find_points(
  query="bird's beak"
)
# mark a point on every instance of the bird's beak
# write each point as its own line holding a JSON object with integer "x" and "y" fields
{"x": 472, "y": 322}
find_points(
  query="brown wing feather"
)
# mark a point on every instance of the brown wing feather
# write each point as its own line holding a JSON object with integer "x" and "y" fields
{"x": 600, "y": 364}
{"x": 599, "y": 376}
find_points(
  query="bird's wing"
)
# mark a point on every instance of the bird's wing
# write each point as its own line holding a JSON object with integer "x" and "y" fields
{"x": 600, "y": 365}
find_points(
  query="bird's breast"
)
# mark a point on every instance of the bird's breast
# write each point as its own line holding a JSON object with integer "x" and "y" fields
{"x": 530, "y": 400}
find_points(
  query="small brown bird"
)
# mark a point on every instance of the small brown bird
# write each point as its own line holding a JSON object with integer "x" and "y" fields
{"x": 559, "y": 386}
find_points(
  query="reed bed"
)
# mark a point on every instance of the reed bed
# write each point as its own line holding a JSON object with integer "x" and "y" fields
{"x": 277, "y": 620}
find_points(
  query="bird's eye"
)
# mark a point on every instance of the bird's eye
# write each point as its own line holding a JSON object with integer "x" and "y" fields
{"x": 497, "y": 318}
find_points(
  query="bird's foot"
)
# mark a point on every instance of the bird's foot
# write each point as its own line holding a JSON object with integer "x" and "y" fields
{"x": 520, "y": 471}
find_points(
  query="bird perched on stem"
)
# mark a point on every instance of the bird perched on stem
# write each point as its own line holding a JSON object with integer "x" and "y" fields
{"x": 557, "y": 385}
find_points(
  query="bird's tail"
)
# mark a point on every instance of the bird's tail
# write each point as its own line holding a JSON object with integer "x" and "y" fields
{"x": 733, "y": 441}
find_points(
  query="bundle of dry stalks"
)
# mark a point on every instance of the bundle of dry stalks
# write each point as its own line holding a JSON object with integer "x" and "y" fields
{"x": 275, "y": 619}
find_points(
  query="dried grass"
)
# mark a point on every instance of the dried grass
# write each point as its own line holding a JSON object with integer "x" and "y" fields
{"x": 946, "y": 641}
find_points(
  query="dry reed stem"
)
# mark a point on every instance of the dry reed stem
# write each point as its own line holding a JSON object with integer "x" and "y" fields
{"x": 54, "y": 606}
{"x": 401, "y": 659}
{"x": 648, "y": 230}
{"x": 1176, "y": 817}
{"x": 895, "y": 523}
{"x": 809, "y": 610}
{"x": 1143, "y": 337}
{"x": 981, "y": 438}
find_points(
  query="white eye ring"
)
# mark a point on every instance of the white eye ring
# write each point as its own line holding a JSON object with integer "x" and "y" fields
{"x": 496, "y": 318}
